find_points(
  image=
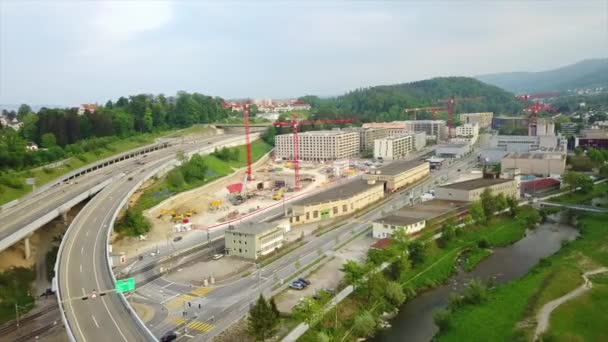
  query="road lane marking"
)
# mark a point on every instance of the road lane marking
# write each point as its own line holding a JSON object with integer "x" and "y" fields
{"x": 84, "y": 293}
{"x": 80, "y": 268}
{"x": 81, "y": 250}
{"x": 200, "y": 326}
{"x": 94, "y": 320}
{"x": 201, "y": 291}
{"x": 179, "y": 301}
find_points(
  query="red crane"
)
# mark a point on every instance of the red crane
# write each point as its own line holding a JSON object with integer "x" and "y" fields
{"x": 296, "y": 147}
{"x": 536, "y": 107}
{"x": 247, "y": 141}
{"x": 450, "y": 107}
{"x": 536, "y": 96}
{"x": 433, "y": 110}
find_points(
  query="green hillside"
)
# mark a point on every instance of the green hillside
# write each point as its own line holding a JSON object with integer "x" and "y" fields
{"x": 386, "y": 102}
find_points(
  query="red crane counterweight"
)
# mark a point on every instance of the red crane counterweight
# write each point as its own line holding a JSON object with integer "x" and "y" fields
{"x": 247, "y": 141}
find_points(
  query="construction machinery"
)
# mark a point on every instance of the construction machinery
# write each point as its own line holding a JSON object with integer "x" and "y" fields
{"x": 190, "y": 212}
{"x": 215, "y": 205}
{"x": 433, "y": 110}
{"x": 164, "y": 212}
{"x": 294, "y": 123}
{"x": 450, "y": 108}
{"x": 278, "y": 194}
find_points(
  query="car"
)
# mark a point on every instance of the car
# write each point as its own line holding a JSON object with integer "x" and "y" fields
{"x": 303, "y": 281}
{"x": 130, "y": 178}
{"x": 170, "y": 336}
{"x": 218, "y": 256}
{"x": 177, "y": 238}
{"x": 296, "y": 285}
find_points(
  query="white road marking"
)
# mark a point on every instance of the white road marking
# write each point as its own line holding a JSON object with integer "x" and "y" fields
{"x": 80, "y": 268}
{"x": 81, "y": 250}
{"x": 94, "y": 320}
{"x": 86, "y": 233}
{"x": 83, "y": 292}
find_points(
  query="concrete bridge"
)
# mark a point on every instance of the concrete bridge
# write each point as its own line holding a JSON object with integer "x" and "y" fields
{"x": 573, "y": 207}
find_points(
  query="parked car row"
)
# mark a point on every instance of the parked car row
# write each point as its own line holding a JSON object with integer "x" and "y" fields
{"x": 299, "y": 284}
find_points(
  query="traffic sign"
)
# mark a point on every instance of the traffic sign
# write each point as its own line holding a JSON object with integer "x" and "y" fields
{"x": 125, "y": 285}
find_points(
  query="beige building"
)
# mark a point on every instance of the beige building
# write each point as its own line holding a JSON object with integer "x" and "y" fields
{"x": 399, "y": 174}
{"x": 386, "y": 226}
{"x": 536, "y": 163}
{"x": 393, "y": 128}
{"x": 342, "y": 200}
{"x": 484, "y": 120}
{"x": 471, "y": 190}
{"x": 319, "y": 145}
{"x": 367, "y": 137}
{"x": 434, "y": 129}
{"x": 395, "y": 147}
{"x": 254, "y": 239}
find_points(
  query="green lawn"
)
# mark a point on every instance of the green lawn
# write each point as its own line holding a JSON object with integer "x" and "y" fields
{"x": 519, "y": 300}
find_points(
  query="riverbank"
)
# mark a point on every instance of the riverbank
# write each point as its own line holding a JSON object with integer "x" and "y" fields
{"x": 436, "y": 267}
{"x": 510, "y": 311}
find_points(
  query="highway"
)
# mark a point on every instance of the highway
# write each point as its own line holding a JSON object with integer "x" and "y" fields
{"x": 226, "y": 304}
{"x": 82, "y": 266}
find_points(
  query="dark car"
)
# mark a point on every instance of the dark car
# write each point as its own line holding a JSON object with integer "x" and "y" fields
{"x": 177, "y": 238}
{"x": 303, "y": 281}
{"x": 296, "y": 285}
{"x": 169, "y": 337}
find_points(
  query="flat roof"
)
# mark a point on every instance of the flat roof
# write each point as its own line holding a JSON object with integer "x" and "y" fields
{"x": 397, "y": 220}
{"x": 455, "y": 145}
{"x": 475, "y": 183}
{"x": 429, "y": 209}
{"x": 399, "y": 166}
{"x": 343, "y": 191}
{"x": 326, "y": 132}
{"x": 253, "y": 228}
{"x": 534, "y": 155}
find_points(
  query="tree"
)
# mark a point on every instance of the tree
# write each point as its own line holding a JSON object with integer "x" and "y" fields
{"x": 353, "y": 272}
{"x": 417, "y": 252}
{"x": 23, "y": 111}
{"x": 309, "y": 311}
{"x": 442, "y": 319}
{"x": 394, "y": 293}
{"x": 530, "y": 218}
{"x": 487, "y": 203}
{"x": 512, "y": 205}
{"x": 604, "y": 171}
{"x": 175, "y": 178}
{"x": 578, "y": 181}
{"x": 48, "y": 140}
{"x": 477, "y": 212}
{"x": 364, "y": 324}
{"x": 448, "y": 232}
{"x": 29, "y": 130}
{"x": 262, "y": 322}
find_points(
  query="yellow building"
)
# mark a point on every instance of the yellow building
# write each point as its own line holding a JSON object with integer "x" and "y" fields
{"x": 471, "y": 190}
{"x": 399, "y": 174}
{"x": 338, "y": 201}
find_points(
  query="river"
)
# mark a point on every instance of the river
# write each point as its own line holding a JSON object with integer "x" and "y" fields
{"x": 414, "y": 322}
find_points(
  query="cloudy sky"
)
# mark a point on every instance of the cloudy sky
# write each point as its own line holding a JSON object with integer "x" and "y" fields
{"x": 72, "y": 52}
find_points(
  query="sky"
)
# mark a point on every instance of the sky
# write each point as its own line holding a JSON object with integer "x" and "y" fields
{"x": 73, "y": 52}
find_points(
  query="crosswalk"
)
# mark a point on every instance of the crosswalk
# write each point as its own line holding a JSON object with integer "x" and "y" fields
{"x": 193, "y": 325}
{"x": 179, "y": 301}
{"x": 201, "y": 291}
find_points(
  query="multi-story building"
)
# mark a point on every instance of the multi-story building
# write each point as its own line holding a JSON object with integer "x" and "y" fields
{"x": 471, "y": 190}
{"x": 484, "y": 120}
{"x": 512, "y": 123}
{"x": 468, "y": 133}
{"x": 419, "y": 140}
{"x": 569, "y": 128}
{"x": 319, "y": 145}
{"x": 543, "y": 127}
{"x": 252, "y": 240}
{"x": 386, "y": 226}
{"x": 453, "y": 150}
{"x": 592, "y": 138}
{"x": 342, "y": 200}
{"x": 526, "y": 143}
{"x": 536, "y": 163}
{"x": 395, "y": 147}
{"x": 393, "y": 128}
{"x": 434, "y": 129}
{"x": 399, "y": 174}
{"x": 367, "y": 137}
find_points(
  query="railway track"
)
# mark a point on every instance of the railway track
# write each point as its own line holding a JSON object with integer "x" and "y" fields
{"x": 37, "y": 332}
{"x": 27, "y": 320}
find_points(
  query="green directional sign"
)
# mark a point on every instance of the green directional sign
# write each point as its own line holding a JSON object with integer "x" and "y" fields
{"x": 125, "y": 285}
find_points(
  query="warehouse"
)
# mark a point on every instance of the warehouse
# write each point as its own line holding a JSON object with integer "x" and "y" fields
{"x": 334, "y": 202}
{"x": 457, "y": 150}
{"x": 318, "y": 145}
{"x": 536, "y": 163}
{"x": 386, "y": 226}
{"x": 399, "y": 174}
{"x": 252, "y": 240}
{"x": 471, "y": 190}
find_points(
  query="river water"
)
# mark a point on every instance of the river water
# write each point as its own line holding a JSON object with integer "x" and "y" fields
{"x": 414, "y": 322}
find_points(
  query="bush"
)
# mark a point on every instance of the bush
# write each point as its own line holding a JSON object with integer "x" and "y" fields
{"x": 442, "y": 319}
{"x": 82, "y": 158}
{"x": 47, "y": 170}
{"x": 394, "y": 294}
{"x": 12, "y": 181}
{"x": 51, "y": 257}
{"x": 483, "y": 243}
{"x": 364, "y": 324}
{"x": 133, "y": 223}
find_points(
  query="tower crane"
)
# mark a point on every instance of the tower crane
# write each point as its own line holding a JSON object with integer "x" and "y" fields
{"x": 535, "y": 108}
{"x": 294, "y": 123}
{"x": 433, "y": 110}
{"x": 450, "y": 107}
{"x": 247, "y": 140}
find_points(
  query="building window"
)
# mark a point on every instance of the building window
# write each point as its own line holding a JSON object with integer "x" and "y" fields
{"x": 344, "y": 208}
{"x": 307, "y": 216}
{"x": 335, "y": 210}
{"x": 315, "y": 214}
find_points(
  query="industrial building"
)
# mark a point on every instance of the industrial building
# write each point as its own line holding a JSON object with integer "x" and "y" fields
{"x": 342, "y": 200}
{"x": 592, "y": 138}
{"x": 399, "y": 174}
{"x": 319, "y": 145}
{"x": 484, "y": 120}
{"x": 455, "y": 150}
{"x": 471, "y": 190}
{"x": 536, "y": 163}
{"x": 543, "y": 127}
{"x": 539, "y": 186}
{"x": 434, "y": 129}
{"x": 367, "y": 137}
{"x": 568, "y": 128}
{"x": 254, "y": 239}
{"x": 395, "y": 147}
{"x": 385, "y": 227}
{"x": 526, "y": 143}
{"x": 510, "y": 123}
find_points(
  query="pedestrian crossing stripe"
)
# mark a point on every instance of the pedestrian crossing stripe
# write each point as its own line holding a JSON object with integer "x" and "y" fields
{"x": 177, "y": 320}
{"x": 201, "y": 291}
{"x": 179, "y": 301}
{"x": 200, "y": 326}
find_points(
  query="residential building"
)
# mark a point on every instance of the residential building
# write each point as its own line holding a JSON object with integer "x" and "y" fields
{"x": 543, "y": 127}
{"x": 526, "y": 143}
{"x": 434, "y": 129}
{"x": 341, "y": 200}
{"x": 484, "y": 120}
{"x": 395, "y": 147}
{"x": 319, "y": 145}
{"x": 568, "y": 128}
{"x": 454, "y": 150}
{"x": 399, "y": 174}
{"x": 386, "y": 226}
{"x": 536, "y": 163}
{"x": 419, "y": 140}
{"x": 254, "y": 239}
{"x": 367, "y": 137}
{"x": 393, "y": 128}
{"x": 467, "y": 133}
{"x": 86, "y": 107}
{"x": 471, "y": 190}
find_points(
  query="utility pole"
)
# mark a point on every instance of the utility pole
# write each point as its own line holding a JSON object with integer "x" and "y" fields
{"x": 17, "y": 316}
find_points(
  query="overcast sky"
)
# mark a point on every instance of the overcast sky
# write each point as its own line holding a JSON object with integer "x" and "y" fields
{"x": 72, "y": 52}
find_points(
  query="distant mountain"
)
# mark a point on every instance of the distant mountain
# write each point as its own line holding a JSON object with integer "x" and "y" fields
{"x": 586, "y": 74}
{"x": 387, "y": 102}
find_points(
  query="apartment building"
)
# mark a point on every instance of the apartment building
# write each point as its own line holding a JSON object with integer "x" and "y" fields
{"x": 395, "y": 147}
{"x": 484, "y": 120}
{"x": 319, "y": 145}
{"x": 386, "y": 226}
{"x": 434, "y": 129}
{"x": 467, "y": 133}
{"x": 254, "y": 239}
{"x": 392, "y": 128}
{"x": 367, "y": 137}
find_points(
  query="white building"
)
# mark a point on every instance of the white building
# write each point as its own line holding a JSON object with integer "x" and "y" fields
{"x": 455, "y": 150}
{"x": 468, "y": 133}
{"x": 543, "y": 127}
{"x": 484, "y": 120}
{"x": 434, "y": 129}
{"x": 386, "y": 226}
{"x": 527, "y": 143}
{"x": 396, "y": 147}
{"x": 319, "y": 145}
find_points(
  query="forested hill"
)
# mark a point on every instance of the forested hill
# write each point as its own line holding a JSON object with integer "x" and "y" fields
{"x": 386, "y": 103}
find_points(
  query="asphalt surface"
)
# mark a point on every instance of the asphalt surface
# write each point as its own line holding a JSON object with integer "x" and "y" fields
{"x": 83, "y": 266}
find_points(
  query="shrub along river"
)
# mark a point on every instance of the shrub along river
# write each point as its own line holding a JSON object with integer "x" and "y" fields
{"x": 414, "y": 322}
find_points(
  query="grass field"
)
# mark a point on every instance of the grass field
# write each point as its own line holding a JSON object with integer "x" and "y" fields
{"x": 508, "y": 314}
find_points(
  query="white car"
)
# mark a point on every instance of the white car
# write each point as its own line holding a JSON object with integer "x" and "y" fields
{"x": 218, "y": 256}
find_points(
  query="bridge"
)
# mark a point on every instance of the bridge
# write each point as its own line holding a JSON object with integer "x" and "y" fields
{"x": 574, "y": 207}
